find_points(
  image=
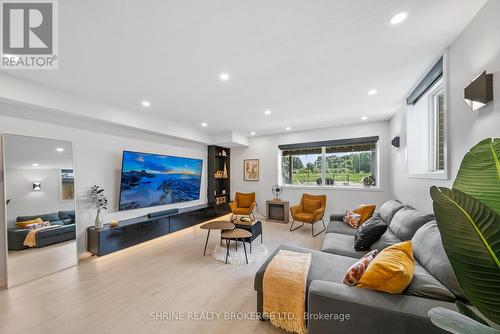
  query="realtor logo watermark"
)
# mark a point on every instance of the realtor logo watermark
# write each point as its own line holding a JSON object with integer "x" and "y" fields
{"x": 29, "y": 34}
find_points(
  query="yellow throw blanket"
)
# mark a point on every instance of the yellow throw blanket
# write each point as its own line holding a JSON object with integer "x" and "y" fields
{"x": 284, "y": 287}
{"x": 30, "y": 240}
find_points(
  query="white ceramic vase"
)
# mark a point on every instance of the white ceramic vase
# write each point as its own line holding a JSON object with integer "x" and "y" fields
{"x": 98, "y": 219}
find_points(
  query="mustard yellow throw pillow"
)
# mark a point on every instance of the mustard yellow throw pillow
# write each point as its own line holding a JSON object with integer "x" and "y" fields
{"x": 391, "y": 271}
{"x": 27, "y": 223}
{"x": 366, "y": 212}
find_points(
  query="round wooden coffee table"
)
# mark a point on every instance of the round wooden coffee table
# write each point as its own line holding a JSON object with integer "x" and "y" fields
{"x": 235, "y": 234}
{"x": 215, "y": 225}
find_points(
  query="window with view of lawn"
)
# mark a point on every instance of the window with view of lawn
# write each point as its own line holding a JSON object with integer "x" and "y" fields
{"x": 343, "y": 163}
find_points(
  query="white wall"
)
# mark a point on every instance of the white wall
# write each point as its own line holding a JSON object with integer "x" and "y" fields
{"x": 266, "y": 150}
{"x": 98, "y": 161}
{"x": 25, "y": 201}
{"x": 475, "y": 50}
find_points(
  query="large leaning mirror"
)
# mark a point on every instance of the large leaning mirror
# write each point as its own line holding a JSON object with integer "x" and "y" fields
{"x": 40, "y": 207}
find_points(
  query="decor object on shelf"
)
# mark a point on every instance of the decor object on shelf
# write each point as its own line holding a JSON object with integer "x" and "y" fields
{"x": 251, "y": 169}
{"x": 37, "y": 186}
{"x": 277, "y": 191}
{"x": 310, "y": 211}
{"x": 224, "y": 173}
{"x": 220, "y": 200}
{"x": 277, "y": 211}
{"x": 99, "y": 201}
{"x": 480, "y": 91}
{"x": 468, "y": 217}
{"x": 396, "y": 142}
{"x": 114, "y": 223}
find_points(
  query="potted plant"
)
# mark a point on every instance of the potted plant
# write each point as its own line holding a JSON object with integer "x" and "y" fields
{"x": 468, "y": 217}
{"x": 99, "y": 201}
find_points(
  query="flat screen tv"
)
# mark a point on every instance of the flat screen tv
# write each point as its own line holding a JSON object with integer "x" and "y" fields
{"x": 153, "y": 179}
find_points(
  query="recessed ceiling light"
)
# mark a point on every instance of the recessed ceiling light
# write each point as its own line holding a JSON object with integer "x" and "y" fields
{"x": 224, "y": 76}
{"x": 60, "y": 149}
{"x": 252, "y": 133}
{"x": 204, "y": 124}
{"x": 146, "y": 104}
{"x": 372, "y": 92}
{"x": 364, "y": 118}
{"x": 267, "y": 112}
{"x": 398, "y": 18}
{"x": 35, "y": 165}
{"x": 288, "y": 128}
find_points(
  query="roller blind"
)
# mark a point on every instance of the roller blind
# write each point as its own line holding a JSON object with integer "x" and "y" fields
{"x": 340, "y": 145}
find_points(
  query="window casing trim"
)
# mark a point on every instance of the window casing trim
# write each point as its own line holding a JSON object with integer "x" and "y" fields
{"x": 374, "y": 140}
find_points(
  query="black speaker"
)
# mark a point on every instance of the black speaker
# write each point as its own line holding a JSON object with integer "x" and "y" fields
{"x": 395, "y": 142}
{"x": 163, "y": 213}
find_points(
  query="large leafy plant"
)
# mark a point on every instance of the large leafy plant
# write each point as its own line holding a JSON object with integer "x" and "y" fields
{"x": 468, "y": 218}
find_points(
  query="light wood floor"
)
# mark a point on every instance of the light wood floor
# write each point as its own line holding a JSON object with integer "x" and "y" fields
{"x": 117, "y": 293}
{"x": 29, "y": 264}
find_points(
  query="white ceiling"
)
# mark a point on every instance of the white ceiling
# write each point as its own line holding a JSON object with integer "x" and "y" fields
{"x": 310, "y": 62}
{"x": 21, "y": 152}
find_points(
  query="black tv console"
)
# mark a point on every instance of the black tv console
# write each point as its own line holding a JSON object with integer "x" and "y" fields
{"x": 134, "y": 231}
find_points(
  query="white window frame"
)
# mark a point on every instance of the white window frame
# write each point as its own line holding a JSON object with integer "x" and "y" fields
{"x": 375, "y": 171}
{"x": 432, "y": 173}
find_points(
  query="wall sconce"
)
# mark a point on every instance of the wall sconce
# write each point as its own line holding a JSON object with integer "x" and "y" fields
{"x": 480, "y": 91}
{"x": 395, "y": 142}
{"x": 37, "y": 186}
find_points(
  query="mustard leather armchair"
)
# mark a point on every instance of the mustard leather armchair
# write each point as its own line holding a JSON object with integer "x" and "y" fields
{"x": 243, "y": 204}
{"x": 310, "y": 211}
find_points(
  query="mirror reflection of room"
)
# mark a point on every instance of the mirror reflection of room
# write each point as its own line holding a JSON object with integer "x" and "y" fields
{"x": 40, "y": 207}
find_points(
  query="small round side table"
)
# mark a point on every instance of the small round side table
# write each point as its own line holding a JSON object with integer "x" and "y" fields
{"x": 235, "y": 234}
{"x": 215, "y": 225}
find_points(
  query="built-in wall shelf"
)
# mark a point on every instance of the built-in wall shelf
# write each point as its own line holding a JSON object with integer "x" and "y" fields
{"x": 219, "y": 169}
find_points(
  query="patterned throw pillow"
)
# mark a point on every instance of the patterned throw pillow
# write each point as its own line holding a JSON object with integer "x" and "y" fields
{"x": 37, "y": 226}
{"x": 352, "y": 219}
{"x": 354, "y": 273}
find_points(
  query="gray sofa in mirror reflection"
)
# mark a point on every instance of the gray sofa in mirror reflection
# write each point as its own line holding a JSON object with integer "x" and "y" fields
{"x": 65, "y": 220}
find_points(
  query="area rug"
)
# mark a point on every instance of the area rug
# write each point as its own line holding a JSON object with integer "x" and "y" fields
{"x": 259, "y": 253}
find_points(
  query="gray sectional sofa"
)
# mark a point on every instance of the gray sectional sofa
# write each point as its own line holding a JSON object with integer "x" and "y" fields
{"x": 66, "y": 230}
{"x": 434, "y": 283}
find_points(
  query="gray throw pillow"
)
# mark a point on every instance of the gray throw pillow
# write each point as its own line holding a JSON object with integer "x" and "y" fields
{"x": 388, "y": 209}
{"x": 429, "y": 252}
{"x": 407, "y": 221}
{"x": 425, "y": 285}
{"x": 387, "y": 239}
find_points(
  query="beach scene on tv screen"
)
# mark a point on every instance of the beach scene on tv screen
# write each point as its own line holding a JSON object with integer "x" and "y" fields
{"x": 151, "y": 179}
